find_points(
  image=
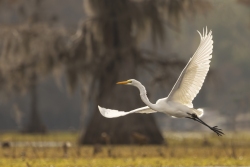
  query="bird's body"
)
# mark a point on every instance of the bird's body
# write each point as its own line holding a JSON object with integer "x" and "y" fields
{"x": 173, "y": 109}
{"x": 179, "y": 101}
{"x": 176, "y": 109}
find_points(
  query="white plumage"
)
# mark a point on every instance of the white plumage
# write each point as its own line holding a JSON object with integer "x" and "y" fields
{"x": 108, "y": 113}
{"x": 193, "y": 75}
{"x": 179, "y": 101}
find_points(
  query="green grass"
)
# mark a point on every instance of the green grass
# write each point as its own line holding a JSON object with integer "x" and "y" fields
{"x": 186, "y": 149}
{"x": 123, "y": 162}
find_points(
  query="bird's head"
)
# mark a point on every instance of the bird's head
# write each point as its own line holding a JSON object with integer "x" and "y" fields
{"x": 132, "y": 82}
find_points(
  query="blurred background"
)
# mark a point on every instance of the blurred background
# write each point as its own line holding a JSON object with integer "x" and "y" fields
{"x": 59, "y": 59}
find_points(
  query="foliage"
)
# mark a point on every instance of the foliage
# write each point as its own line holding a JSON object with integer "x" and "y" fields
{"x": 28, "y": 50}
{"x": 117, "y": 29}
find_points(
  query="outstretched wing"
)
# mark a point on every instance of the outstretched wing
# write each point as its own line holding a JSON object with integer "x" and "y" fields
{"x": 109, "y": 113}
{"x": 193, "y": 75}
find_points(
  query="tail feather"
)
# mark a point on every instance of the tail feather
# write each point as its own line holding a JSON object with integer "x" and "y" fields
{"x": 199, "y": 112}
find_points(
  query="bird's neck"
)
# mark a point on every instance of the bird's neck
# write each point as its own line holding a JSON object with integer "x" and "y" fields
{"x": 144, "y": 97}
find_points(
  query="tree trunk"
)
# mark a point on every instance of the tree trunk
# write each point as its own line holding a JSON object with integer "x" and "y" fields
{"x": 35, "y": 124}
{"x": 134, "y": 128}
{"x": 118, "y": 61}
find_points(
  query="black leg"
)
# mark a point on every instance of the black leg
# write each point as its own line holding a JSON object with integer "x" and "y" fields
{"x": 215, "y": 128}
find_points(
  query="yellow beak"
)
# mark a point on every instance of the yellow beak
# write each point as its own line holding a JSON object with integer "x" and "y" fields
{"x": 124, "y": 82}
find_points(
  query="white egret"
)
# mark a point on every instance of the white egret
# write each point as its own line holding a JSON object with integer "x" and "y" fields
{"x": 179, "y": 102}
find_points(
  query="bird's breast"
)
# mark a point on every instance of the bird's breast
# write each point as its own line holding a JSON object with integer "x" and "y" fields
{"x": 175, "y": 109}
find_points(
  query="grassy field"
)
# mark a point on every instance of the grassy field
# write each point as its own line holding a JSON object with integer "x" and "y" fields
{"x": 186, "y": 149}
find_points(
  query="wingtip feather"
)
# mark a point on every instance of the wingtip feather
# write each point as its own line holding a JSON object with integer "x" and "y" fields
{"x": 101, "y": 111}
{"x": 199, "y": 34}
{"x": 110, "y": 113}
{"x": 99, "y": 107}
{"x": 205, "y": 33}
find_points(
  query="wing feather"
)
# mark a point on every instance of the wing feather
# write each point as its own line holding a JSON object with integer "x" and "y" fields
{"x": 193, "y": 75}
{"x": 109, "y": 113}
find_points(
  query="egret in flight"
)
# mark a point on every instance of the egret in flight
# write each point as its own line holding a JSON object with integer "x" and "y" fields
{"x": 179, "y": 101}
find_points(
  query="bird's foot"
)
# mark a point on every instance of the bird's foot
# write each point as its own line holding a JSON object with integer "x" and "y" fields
{"x": 217, "y": 130}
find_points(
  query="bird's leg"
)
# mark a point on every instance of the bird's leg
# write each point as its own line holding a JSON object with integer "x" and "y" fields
{"x": 215, "y": 128}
